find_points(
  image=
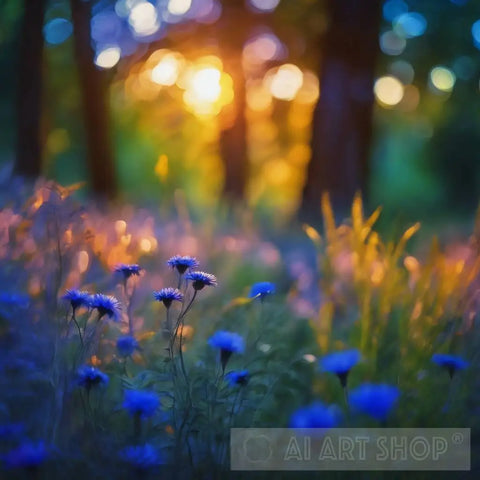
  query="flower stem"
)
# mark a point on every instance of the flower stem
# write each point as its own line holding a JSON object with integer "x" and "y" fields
{"x": 180, "y": 353}
{"x": 137, "y": 426}
{"x": 180, "y": 318}
{"x": 78, "y": 328}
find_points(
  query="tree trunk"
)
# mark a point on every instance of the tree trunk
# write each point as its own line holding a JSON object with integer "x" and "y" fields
{"x": 342, "y": 123}
{"x": 233, "y": 131}
{"x": 233, "y": 137}
{"x": 95, "y": 105}
{"x": 28, "y": 161}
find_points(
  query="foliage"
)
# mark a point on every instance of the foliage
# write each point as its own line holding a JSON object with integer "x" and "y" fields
{"x": 83, "y": 369}
{"x": 397, "y": 309}
{"x": 117, "y": 381}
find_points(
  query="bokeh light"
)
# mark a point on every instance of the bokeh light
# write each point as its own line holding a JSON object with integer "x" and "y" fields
{"x": 108, "y": 57}
{"x": 207, "y": 87}
{"x": 264, "y": 5}
{"x": 476, "y": 34}
{"x": 391, "y": 43}
{"x": 262, "y": 48}
{"x": 179, "y": 7}
{"x": 285, "y": 81}
{"x": 143, "y": 19}
{"x": 393, "y": 9}
{"x": 410, "y": 25}
{"x": 167, "y": 69}
{"x": 259, "y": 97}
{"x": 106, "y": 27}
{"x": 206, "y": 11}
{"x": 310, "y": 89}
{"x": 56, "y": 31}
{"x": 124, "y": 7}
{"x": 442, "y": 79}
{"x": 206, "y": 84}
{"x": 403, "y": 70}
{"x": 388, "y": 91}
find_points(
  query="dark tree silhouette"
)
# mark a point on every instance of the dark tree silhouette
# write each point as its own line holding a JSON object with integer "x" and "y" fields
{"x": 233, "y": 135}
{"x": 94, "y": 90}
{"x": 342, "y": 124}
{"x": 28, "y": 161}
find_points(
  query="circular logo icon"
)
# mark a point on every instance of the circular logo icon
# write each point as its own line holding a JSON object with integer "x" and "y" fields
{"x": 257, "y": 448}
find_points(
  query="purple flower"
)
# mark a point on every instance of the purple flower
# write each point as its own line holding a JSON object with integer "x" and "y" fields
{"x": 375, "y": 400}
{"x": 88, "y": 377}
{"x": 77, "y": 298}
{"x": 201, "y": 279}
{"x": 182, "y": 264}
{"x": 127, "y": 345}
{"x": 316, "y": 415}
{"x": 262, "y": 289}
{"x": 141, "y": 403}
{"x": 450, "y": 362}
{"x": 106, "y": 305}
{"x": 168, "y": 295}
{"x": 128, "y": 270}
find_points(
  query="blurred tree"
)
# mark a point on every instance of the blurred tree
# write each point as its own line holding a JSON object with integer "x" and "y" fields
{"x": 342, "y": 123}
{"x": 233, "y": 131}
{"x": 95, "y": 104}
{"x": 28, "y": 160}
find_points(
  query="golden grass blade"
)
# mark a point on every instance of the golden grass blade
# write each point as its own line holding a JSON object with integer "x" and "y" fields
{"x": 328, "y": 218}
{"x": 312, "y": 234}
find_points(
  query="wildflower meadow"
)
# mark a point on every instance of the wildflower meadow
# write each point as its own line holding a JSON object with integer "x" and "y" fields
{"x": 130, "y": 346}
{"x": 239, "y": 239}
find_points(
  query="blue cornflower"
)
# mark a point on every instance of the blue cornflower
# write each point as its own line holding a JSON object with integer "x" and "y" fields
{"x": 182, "y": 264}
{"x": 228, "y": 343}
{"x": 376, "y": 400}
{"x": 262, "y": 289}
{"x": 128, "y": 270}
{"x": 141, "y": 403}
{"x": 77, "y": 298}
{"x": 142, "y": 457}
{"x": 316, "y": 415}
{"x": 238, "y": 378}
{"x": 168, "y": 295}
{"x": 28, "y": 455}
{"x": 88, "y": 377}
{"x": 126, "y": 345}
{"x": 451, "y": 362}
{"x": 106, "y": 305}
{"x": 340, "y": 363}
{"x": 201, "y": 279}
